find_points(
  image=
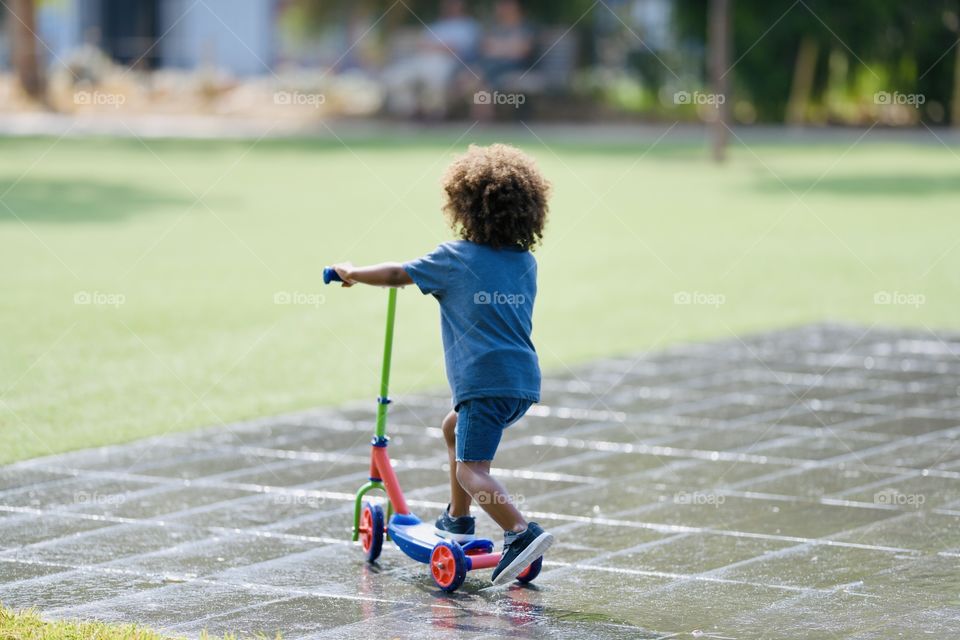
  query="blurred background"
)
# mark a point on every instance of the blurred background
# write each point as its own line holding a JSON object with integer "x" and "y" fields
{"x": 804, "y": 62}
{"x": 176, "y": 173}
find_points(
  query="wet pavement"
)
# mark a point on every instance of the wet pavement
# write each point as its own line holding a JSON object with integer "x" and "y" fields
{"x": 801, "y": 483}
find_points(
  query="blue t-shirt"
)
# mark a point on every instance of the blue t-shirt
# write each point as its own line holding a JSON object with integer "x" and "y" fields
{"x": 486, "y": 315}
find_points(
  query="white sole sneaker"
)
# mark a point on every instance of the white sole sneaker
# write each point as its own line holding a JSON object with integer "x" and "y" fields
{"x": 535, "y": 549}
{"x": 456, "y": 537}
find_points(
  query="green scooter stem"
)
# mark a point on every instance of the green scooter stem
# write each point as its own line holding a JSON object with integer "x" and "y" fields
{"x": 382, "y": 405}
{"x": 385, "y": 373}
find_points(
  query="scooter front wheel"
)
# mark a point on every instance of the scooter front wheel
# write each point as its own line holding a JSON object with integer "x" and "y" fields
{"x": 371, "y": 530}
{"x": 448, "y": 565}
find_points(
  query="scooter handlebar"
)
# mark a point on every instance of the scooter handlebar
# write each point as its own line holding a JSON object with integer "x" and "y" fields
{"x": 330, "y": 275}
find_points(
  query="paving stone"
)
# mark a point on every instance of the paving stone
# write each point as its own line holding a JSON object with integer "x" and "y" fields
{"x": 763, "y": 516}
{"x": 806, "y": 416}
{"x": 819, "y": 482}
{"x": 810, "y": 393}
{"x": 204, "y": 465}
{"x": 166, "y": 606}
{"x": 72, "y": 589}
{"x": 810, "y": 520}
{"x": 523, "y": 454}
{"x": 607, "y": 538}
{"x": 593, "y": 501}
{"x": 335, "y": 523}
{"x": 700, "y": 474}
{"x": 694, "y": 553}
{"x": 720, "y": 439}
{"x": 125, "y": 457}
{"x": 825, "y": 615}
{"x": 13, "y": 571}
{"x": 586, "y": 544}
{"x": 932, "y": 579}
{"x": 331, "y": 568}
{"x": 287, "y": 616}
{"x": 14, "y": 477}
{"x": 735, "y": 383}
{"x": 607, "y": 464}
{"x": 295, "y": 473}
{"x": 922, "y": 531}
{"x": 356, "y": 441}
{"x": 161, "y": 501}
{"x": 637, "y": 405}
{"x": 903, "y": 377}
{"x": 25, "y": 529}
{"x": 911, "y": 426}
{"x": 450, "y": 622}
{"x": 107, "y": 544}
{"x": 75, "y": 493}
{"x": 818, "y": 567}
{"x": 920, "y": 492}
{"x": 703, "y": 608}
{"x": 255, "y": 510}
{"x": 914, "y": 399}
{"x": 631, "y": 431}
{"x": 568, "y": 588}
{"x": 735, "y": 410}
{"x": 214, "y": 555}
{"x": 827, "y": 445}
{"x": 938, "y": 454}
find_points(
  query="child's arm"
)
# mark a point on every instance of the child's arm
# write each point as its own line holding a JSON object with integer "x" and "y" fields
{"x": 385, "y": 274}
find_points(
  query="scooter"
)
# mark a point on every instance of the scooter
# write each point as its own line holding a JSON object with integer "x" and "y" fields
{"x": 449, "y": 560}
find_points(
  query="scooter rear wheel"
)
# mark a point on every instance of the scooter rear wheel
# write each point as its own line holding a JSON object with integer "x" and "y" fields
{"x": 371, "y": 530}
{"x": 531, "y": 572}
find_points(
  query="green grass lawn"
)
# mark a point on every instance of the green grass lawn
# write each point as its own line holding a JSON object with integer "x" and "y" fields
{"x": 28, "y": 625}
{"x": 199, "y": 338}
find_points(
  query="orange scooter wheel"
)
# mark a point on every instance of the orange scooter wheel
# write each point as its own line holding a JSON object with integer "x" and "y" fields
{"x": 448, "y": 565}
{"x": 531, "y": 572}
{"x": 371, "y": 530}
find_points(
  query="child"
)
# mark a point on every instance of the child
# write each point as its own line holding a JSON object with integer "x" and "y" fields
{"x": 486, "y": 283}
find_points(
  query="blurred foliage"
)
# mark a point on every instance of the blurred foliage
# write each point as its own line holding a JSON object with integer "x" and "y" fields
{"x": 890, "y": 44}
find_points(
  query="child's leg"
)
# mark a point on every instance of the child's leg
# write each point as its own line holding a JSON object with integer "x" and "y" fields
{"x": 475, "y": 478}
{"x": 459, "y": 498}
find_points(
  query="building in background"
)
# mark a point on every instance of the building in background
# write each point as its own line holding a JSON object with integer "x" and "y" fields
{"x": 237, "y": 37}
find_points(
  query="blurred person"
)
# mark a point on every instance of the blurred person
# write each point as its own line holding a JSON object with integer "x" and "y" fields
{"x": 507, "y": 46}
{"x": 420, "y": 84}
{"x": 505, "y": 53}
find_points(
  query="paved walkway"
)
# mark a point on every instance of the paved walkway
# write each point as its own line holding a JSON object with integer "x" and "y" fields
{"x": 803, "y": 483}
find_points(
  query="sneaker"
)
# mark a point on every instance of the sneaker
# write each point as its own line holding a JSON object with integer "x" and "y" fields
{"x": 519, "y": 553}
{"x": 460, "y": 529}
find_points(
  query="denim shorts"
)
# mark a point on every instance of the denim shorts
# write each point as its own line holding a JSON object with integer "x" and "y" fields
{"x": 480, "y": 425}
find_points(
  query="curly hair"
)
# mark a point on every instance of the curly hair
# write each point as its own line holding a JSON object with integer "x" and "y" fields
{"x": 496, "y": 196}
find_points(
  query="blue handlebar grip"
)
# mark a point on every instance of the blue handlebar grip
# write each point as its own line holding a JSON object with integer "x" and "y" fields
{"x": 330, "y": 275}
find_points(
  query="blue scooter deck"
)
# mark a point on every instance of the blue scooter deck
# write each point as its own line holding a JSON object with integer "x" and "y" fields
{"x": 417, "y": 538}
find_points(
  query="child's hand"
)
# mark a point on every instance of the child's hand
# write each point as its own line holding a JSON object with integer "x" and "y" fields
{"x": 345, "y": 271}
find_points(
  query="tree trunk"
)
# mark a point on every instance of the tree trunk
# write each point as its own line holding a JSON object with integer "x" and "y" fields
{"x": 718, "y": 37}
{"x": 955, "y": 99}
{"x": 803, "y": 76}
{"x": 25, "y": 60}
